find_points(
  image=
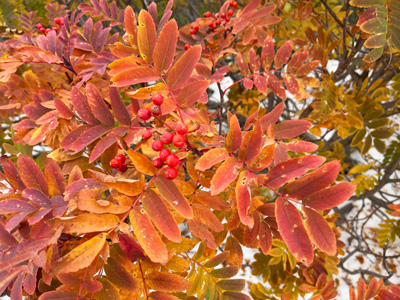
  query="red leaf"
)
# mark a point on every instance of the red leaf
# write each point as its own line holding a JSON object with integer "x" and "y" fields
{"x": 267, "y": 53}
{"x": 183, "y": 68}
{"x": 243, "y": 199}
{"x": 299, "y": 146}
{"x": 73, "y": 136}
{"x": 319, "y": 231}
{"x": 82, "y": 107}
{"x": 192, "y": 92}
{"x": 31, "y": 174}
{"x": 6, "y": 238}
{"x": 307, "y": 68}
{"x": 134, "y": 76}
{"x": 170, "y": 192}
{"x": 211, "y": 158}
{"x": 36, "y": 196}
{"x": 11, "y": 173}
{"x": 147, "y": 36}
{"x": 164, "y": 51}
{"x": 161, "y": 217}
{"x": 58, "y": 295}
{"x": 297, "y": 61}
{"x": 315, "y": 181}
{"x": 226, "y": 173}
{"x": 251, "y": 144}
{"x": 118, "y": 107}
{"x": 63, "y": 109}
{"x": 130, "y": 247}
{"x": 290, "y": 224}
{"x": 15, "y": 205}
{"x": 252, "y": 5}
{"x": 261, "y": 83}
{"x": 205, "y": 216}
{"x": 265, "y": 237}
{"x": 292, "y": 85}
{"x": 243, "y": 66}
{"x": 291, "y": 128}
{"x": 98, "y": 106}
{"x": 147, "y": 236}
{"x": 234, "y": 137}
{"x": 88, "y": 137}
{"x": 250, "y": 234}
{"x": 295, "y": 167}
{"x": 248, "y": 83}
{"x": 386, "y": 295}
{"x": 330, "y": 197}
{"x": 272, "y": 117}
{"x": 106, "y": 142}
{"x": 283, "y": 54}
{"x": 276, "y": 86}
{"x": 254, "y": 61}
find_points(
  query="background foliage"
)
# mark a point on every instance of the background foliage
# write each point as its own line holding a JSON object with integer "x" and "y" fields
{"x": 327, "y": 71}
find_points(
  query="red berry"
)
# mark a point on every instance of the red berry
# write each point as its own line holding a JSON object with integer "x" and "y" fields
{"x": 164, "y": 153}
{"x": 157, "y": 145}
{"x": 196, "y": 27}
{"x": 178, "y": 140}
{"x": 187, "y": 47}
{"x": 218, "y": 22}
{"x": 172, "y": 160}
{"x": 234, "y": 4}
{"x": 62, "y": 21}
{"x": 181, "y": 129}
{"x": 170, "y": 173}
{"x": 121, "y": 158}
{"x": 230, "y": 12}
{"x": 123, "y": 168}
{"x": 156, "y": 110}
{"x": 114, "y": 163}
{"x": 215, "y": 25}
{"x": 157, "y": 99}
{"x": 146, "y": 134}
{"x": 166, "y": 138}
{"x": 227, "y": 19}
{"x": 211, "y": 24}
{"x": 223, "y": 16}
{"x": 42, "y": 30}
{"x": 48, "y": 30}
{"x": 230, "y": 3}
{"x": 38, "y": 26}
{"x": 158, "y": 163}
{"x": 57, "y": 20}
{"x": 144, "y": 113}
{"x": 192, "y": 31}
{"x": 207, "y": 14}
{"x": 55, "y": 29}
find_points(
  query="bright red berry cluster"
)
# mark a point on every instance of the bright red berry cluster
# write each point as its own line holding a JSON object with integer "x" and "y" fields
{"x": 58, "y": 21}
{"x": 155, "y": 111}
{"x": 119, "y": 163}
{"x": 218, "y": 19}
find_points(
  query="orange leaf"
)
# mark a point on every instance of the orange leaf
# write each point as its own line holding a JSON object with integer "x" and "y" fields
{"x": 55, "y": 295}
{"x": 226, "y": 173}
{"x": 200, "y": 230}
{"x": 120, "y": 276}
{"x": 164, "y": 51}
{"x": 131, "y": 26}
{"x": 283, "y": 54}
{"x": 330, "y": 197}
{"x": 276, "y": 86}
{"x": 272, "y": 117}
{"x": 234, "y": 137}
{"x": 80, "y": 257}
{"x": 265, "y": 237}
{"x": 267, "y": 53}
{"x": 161, "y": 217}
{"x": 211, "y": 158}
{"x": 141, "y": 162}
{"x": 250, "y": 234}
{"x": 166, "y": 282}
{"x": 292, "y": 85}
{"x": 321, "y": 178}
{"x": 205, "y": 216}
{"x": 307, "y": 68}
{"x": 162, "y": 296}
{"x": 129, "y": 187}
{"x": 291, "y": 128}
{"x": 147, "y": 36}
{"x": 290, "y": 224}
{"x": 147, "y": 236}
{"x": 251, "y": 144}
{"x": 297, "y": 61}
{"x": 213, "y": 202}
{"x": 54, "y": 177}
{"x": 108, "y": 292}
{"x": 170, "y": 192}
{"x": 183, "y": 68}
{"x": 124, "y": 64}
{"x": 319, "y": 231}
{"x": 86, "y": 223}
{"x": 243, "y": 199}
{"x": 135, "y": 75}
{"x": 192, "y": 92}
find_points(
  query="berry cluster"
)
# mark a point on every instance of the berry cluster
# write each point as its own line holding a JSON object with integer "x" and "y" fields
{"x": 219, "y": 19}
{"x": 155, "y": 110}
{"x": 119, "y": 163}
{"x": 58, "y": 21}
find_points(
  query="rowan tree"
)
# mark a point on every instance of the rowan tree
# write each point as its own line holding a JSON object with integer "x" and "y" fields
{"x": 141, "y": 158}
